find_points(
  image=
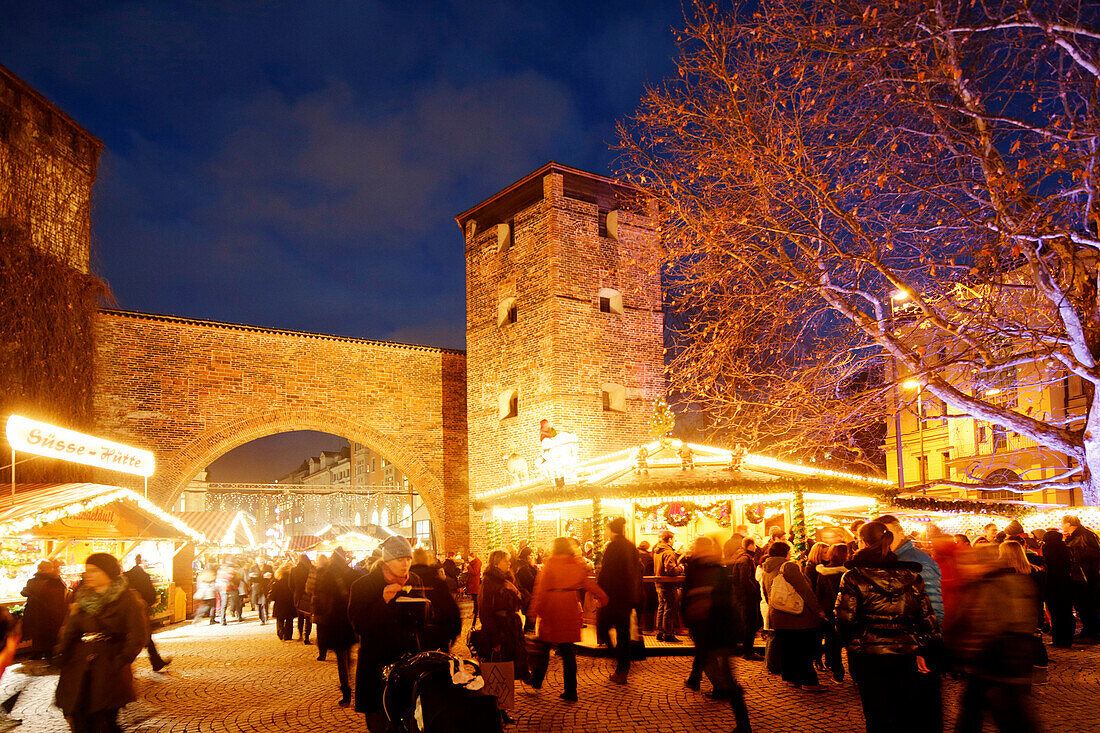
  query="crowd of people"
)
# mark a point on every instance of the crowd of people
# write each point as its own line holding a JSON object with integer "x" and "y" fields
{"x": 894, "y": 612}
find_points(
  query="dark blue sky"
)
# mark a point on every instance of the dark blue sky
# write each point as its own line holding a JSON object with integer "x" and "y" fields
{"x": 298, "y": 164}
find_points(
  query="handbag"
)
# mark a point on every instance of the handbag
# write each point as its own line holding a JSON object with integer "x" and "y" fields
{"x": 783, "y": 596}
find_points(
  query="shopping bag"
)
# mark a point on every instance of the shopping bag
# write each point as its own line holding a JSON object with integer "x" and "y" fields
{"x": 500, "y": 681}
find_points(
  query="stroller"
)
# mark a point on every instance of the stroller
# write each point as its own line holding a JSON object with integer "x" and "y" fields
{"x": 433, "y": 692}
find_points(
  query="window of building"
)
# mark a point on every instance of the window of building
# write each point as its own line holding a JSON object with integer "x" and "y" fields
{"x": 384, "y": 517}
{"x": 602, "y": 225}
{"x": 423, "y": 532}
{"x": 945, "y": 464}
{"x": 611, "y": 301}
{"x": 374, "y": 517}
{"x": 1000, "y": 438}
{"x": 358, "y": 519}
{"x": 406, "y": 515}
{"x": 922, "y": 468}
{"x": 508, "y": 403}
{"x": 506, "y": 235}
{"x": 506, "y": 311}
{"x": 613, "y": 397}
{"x": 980, "y": 433}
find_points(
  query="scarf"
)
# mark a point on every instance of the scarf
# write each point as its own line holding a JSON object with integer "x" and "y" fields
{"x": 92, "y": 603}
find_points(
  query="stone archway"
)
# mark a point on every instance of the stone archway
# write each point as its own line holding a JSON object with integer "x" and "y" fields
{"x": 176, "y": 470}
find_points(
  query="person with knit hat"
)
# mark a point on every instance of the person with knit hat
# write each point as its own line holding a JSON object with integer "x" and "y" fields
{"x": 102, "y": 636}
{"x": 387, "y": 629}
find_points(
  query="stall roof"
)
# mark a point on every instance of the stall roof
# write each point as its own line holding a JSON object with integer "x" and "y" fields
{"x": 716, "y": 471}
{"x": 302, "y": 542}
{"x": 87, "y": 511}
{"x": 236, "y": 528}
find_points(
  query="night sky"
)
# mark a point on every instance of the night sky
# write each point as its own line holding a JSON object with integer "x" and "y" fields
{"x": 299, "y": 164}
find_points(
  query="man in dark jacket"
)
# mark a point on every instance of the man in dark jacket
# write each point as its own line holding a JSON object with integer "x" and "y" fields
{"x": 620, "y": 577}
{"x": 45, "y": 610}
{"x": 666, "y": 564}
{"x": 746, "y": 598}
{"x": 1084, "y": 548}
{"x": 140, "y": 581}
{"x": 330, "y": 606}
{"x": 299, "y": 576}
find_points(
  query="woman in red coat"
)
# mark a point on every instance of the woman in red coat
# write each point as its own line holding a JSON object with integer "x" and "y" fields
{"x": 558, "y": 610}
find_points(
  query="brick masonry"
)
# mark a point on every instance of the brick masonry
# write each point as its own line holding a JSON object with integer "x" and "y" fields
{"x": 192, "y": 390}
{"x": 562, "y": 348}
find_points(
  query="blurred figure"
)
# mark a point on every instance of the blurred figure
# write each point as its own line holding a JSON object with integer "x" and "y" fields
{"x": 962, "y": 540}
{"x": 647, "y": 615}
{"x": 710, "y": 616}
{"x": 445, "y": 621}
{"x": 283, "y": 609}
{"x": 992, "y": 641}
{"x": 473, "y": 583}
{"x": 621, "y": 579}
{"x": 746, "y": 598}
{"x": 260, "y": 576}
{"x": 305, "y": 603}
{"x": 556, "y": 605}
{"x": 45, "y": 610}
{"x": 1084, "y": 574}
{"x": 140, "y": 581}
{"x": 887, "y": 622}
{"x": 330, "y": 604}
{"x": 526, "y": 573}
{"x": 501, "y": 628}
{"x": 227, "y": 584}
{"x": 853, "y": 546}
{"x": 299, "y": 576}
{"x": 206, "y": 594}
{"x": 1058, "y": 590}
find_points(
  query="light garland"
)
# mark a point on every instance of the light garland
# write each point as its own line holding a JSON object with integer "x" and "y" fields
{"x": 18, "y": 527}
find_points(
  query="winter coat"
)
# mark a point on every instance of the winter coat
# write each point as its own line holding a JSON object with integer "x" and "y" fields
{"x": 526, "y": 575}
{"x": 882, "y": 608}
{"x": 810, "y": 618}
{"x": 502, "y": 630}
{"x": 105, "y": 663}
{"x": 929, "y": 573}
{"x": 282, "y": 599}
{"x": 708, "y": 606}
{"x": 1058, "y": 562}
{"x": 746, "y": 591}
{"x": 1085, "y": 550}
{"x": 645, "y": 560}
{"x": 555, "y": 601}
{"x": 387, "y": 631}
{"x": 666, "y": 562}
{"x": 993, "y": 634}
{"x": 305, "y": 599}
{"x": 445, "y": 620}
{"x": 473, "y": 577}
{"x": 44, "y": 612}
{"x": 205, "y": 590}
{"x": 828, "y": 586}
{"x": 298, "y": 578}
{"x": 330, "y": 605}
{"x": 620, "y": 577}
{"x": 141, "y": 582}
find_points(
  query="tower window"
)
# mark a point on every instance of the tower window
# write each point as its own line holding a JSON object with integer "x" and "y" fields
{"x": 613, "y": 397}
{"x": 506, "y": 311}
{"x": 506, "y": 235}
{"x": 611, "y": 301}
{"x": 602, "y": 226}
{"x": 508, "y": 404}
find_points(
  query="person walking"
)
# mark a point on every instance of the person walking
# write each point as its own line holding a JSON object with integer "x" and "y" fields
{"x": 526, "y": 573}
{"x": 260, "y": 577}
{"x": 386, "y": 631}
{"x": 886, "y": 620}
{"x": 746, "y": 598}
{"x": 1084, "y": 550}
{"x": 1058, "y": 589}
{"x": 992, "y": 641}
{"x": 330, "y": 606}
{"x": 283, "y": 609}
{"x": 140, "y": 581}
{"x": 501, "y": 635}
{"x": 299, "y": 576}
{"x": 473, "y": 583}
{"x": 305, "y": 603}
{"x": 102, "y": 636}
{"x": 796, "y": 633}
{"x": 711, "y": 619}
{"x": 206, "y": 593}
{"x": 666, "y": 564}
{"x": 621, "y": 579}
{"x": 45, "y": 610}
{"x": 558, "y": 609}
{"x": 226, "y": 583}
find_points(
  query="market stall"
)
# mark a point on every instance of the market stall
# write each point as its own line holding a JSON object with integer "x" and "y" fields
{"x": 68, "y": 522}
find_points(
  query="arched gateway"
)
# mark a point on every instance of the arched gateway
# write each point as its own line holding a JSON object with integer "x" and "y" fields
{"x": 191, "y": 390}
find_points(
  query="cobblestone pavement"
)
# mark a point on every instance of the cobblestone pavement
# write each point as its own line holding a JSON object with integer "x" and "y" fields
{"x": 241, "y": 678}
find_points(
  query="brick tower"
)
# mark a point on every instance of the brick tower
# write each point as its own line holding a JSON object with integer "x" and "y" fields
{"x": 563, "y": 319}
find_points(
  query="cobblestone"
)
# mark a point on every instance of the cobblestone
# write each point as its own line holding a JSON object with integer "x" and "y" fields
{"x": 241, "y": 678}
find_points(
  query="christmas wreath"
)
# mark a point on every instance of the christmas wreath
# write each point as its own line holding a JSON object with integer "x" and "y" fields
{"x": 677, "y": 514}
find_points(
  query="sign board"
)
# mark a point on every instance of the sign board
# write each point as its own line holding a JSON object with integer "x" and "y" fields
{"x": 42, "y": 439}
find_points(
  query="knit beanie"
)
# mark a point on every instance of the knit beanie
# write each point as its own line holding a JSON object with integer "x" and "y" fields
{"x": 395, "y": 548}
{"x": 105, "y": 562}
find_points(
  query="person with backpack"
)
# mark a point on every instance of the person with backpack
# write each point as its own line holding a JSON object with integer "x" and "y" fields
{"x": 140, "y": 581}
{"x": 887, "y": 622}
{"x": 795, "y": 615}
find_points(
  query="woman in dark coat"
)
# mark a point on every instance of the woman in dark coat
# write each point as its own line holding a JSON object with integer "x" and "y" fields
{"x": 330, "y": 608}
{"x": 387, "y": 628}
{"x": 444, "y": 622}
{"x": 884, "y": 615}
{"x": 45, "y": 610}
{"x": 499, "y": 603}
{"x": 282, "y": 604}
{"x": 1058, "y": 589}
{"x": 526, "y": 574}
{"x": 102, "y": 636}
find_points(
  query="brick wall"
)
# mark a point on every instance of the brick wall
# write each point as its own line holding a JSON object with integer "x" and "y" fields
{"x": 191, "y": 390}
{"x": 561, "y": 349}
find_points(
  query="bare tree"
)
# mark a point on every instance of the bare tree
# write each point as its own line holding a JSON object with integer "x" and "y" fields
{"x": 853, "y": 189}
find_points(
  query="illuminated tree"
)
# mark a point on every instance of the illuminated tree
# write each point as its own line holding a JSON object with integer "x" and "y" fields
{"x": 663, "y": 420}
{"x": 850, "y": 189}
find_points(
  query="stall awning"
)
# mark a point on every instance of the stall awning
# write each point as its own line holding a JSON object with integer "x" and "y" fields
{"x": 228, "y": 528}
{"x": 88, "y": 511}
{"x": 302, "y": 542}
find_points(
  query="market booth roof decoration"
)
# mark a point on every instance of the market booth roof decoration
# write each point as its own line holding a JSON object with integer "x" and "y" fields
{"x": 81, "y": 510}
{"x": 228, "y": 528}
